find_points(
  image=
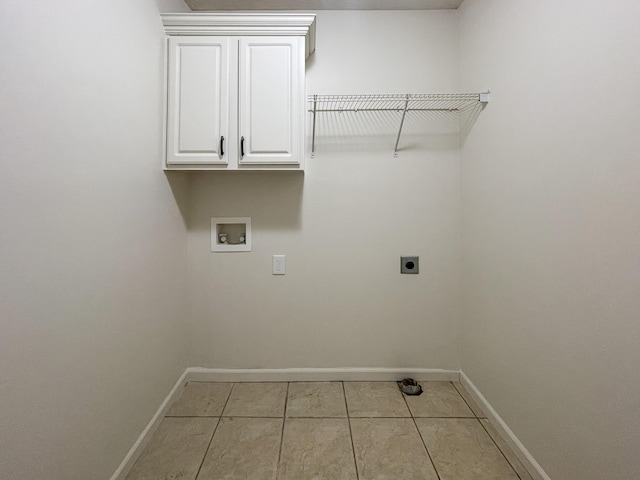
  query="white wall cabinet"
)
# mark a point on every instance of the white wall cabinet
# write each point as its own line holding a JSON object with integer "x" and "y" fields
{"x": 198, "y": 101}
{"x": 271, "y": 100}
{"x": 235, "y": 102}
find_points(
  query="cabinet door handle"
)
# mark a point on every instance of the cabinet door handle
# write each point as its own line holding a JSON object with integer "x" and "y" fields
{"x": 241, "y": 146}
{"x": 222, "y": 146}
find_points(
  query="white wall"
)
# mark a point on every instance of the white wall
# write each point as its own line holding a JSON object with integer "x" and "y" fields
{"x": 92, "y": 243}
{"x": 172, "y": 6}
{"x": 550, "y": 182}
{"x": 344, "y": 225}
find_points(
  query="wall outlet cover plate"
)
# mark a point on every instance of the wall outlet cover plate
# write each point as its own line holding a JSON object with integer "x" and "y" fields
{"x": 279, "y": 265}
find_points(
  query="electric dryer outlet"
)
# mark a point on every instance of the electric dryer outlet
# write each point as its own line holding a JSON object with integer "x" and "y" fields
{"x": 409, "y": 265}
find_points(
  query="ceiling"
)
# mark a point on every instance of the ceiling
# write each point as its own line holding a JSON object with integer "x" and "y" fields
{"x": 209, "y": 5}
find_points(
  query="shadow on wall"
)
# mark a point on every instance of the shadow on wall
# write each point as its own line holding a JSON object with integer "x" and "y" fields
{"x": 468, "y": 118}
{"x": 273, "y": 200}
{"x": 375, "y": 131}
{"x": 179, "y": 184}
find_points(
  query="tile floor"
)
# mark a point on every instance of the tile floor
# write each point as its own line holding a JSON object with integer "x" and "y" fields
{"x": 325, "y": 431}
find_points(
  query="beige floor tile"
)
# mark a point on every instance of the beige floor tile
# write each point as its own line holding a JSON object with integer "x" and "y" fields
{"x": 504, "y": 448}
{"x": 316, "y": 449}
{"x": 438, "y": 399}
{"x": 256, "y": 400}
{"x": 316, "y": 399}
{"x": 477, "y": 411}
{"x": 243, "y": 449}
{"x": 375, "y": 399}
{"x": 176, "y": 449}
{"x": 390, "y": 449}
{"x": 462, "y": 450}
{"x": 201, "y": 399}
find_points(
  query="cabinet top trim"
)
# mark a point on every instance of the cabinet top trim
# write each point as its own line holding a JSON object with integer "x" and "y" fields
{"x": 296, "y": 24}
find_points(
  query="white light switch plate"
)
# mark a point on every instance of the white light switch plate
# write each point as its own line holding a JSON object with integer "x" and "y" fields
{"x": 279, "y": 265}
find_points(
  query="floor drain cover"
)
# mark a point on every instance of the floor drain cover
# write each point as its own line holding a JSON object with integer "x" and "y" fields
{"x": 409, "y": 386}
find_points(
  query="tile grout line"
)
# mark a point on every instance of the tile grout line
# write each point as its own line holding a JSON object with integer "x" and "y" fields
{"x": 192, "y": 416}
{"x": 415, "y": 424}
{"x": 475, "y": 415}
{"x": 408, "y": 416}
{"x": 284, "y": 418}
{"x": 316, "y": 418}
{"x": 214, "y": 432}
{"x": 236, "y": 416}
{"x": 353, "y": 447}
{"x": 499, "y": 449}
{"x": 484, "y": 428}
{"x": 251, "y": 416}
{"x": 453, "y": 418}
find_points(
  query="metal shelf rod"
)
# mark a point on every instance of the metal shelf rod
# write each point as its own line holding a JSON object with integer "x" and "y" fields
{"x": 404, "y": 114}
{"x": 313, "y": 138}
{"x": 345, "y": 110}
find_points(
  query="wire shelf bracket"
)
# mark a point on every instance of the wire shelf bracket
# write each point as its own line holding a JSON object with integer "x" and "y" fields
{"x": 401, "y": 103}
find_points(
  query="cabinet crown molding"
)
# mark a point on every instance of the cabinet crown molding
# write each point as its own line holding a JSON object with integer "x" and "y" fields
{"x": 297, "y": 24}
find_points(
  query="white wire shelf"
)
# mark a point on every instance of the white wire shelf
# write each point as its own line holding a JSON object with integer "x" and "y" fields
{"x": 401, "y": 103}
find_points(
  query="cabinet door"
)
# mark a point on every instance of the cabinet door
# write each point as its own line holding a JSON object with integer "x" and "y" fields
{"x": 198, "y": 100}
{"x": 271, "y": 100}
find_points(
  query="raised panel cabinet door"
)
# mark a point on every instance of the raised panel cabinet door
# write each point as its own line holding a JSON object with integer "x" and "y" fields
{"x": 271, "y": 100}
{"x": 198, "y": 100}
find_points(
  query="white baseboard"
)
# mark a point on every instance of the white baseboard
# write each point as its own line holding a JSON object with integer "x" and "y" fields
{"x": 198, "y": 374}
{"x": 525, "y": 457}
{"x": 151, "y": 427}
